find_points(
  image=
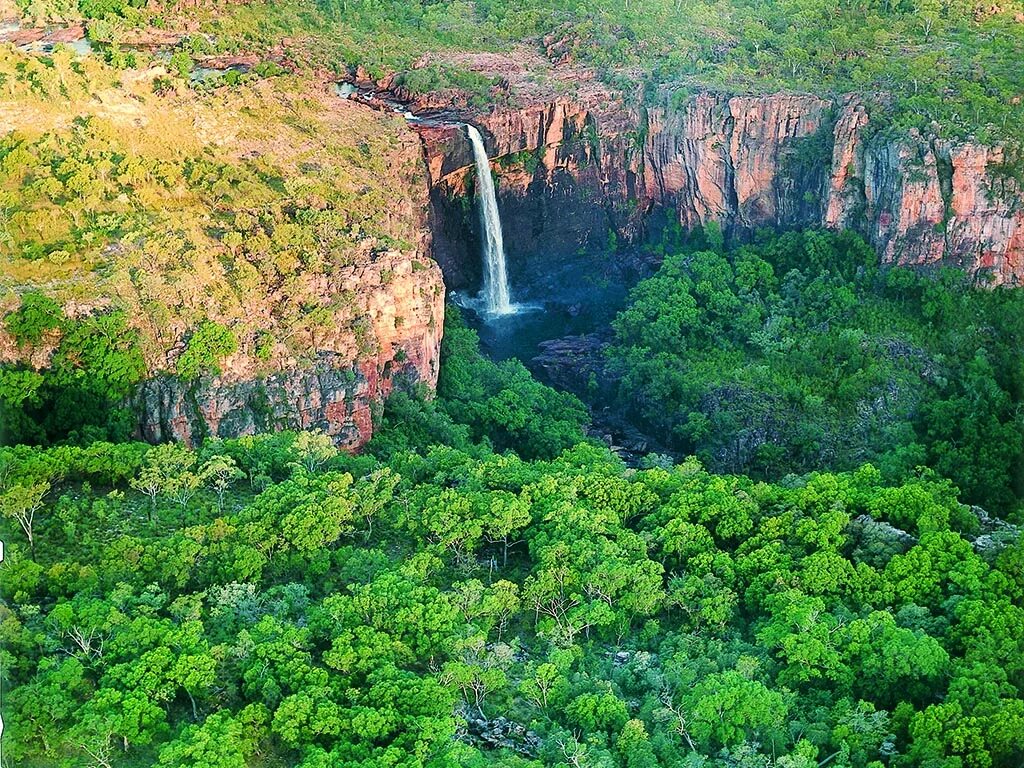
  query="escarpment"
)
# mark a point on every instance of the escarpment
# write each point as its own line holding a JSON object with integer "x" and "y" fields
{"x": 571, "y": 173}
{"x": 344, "y": 333}
{"x": 351, "y": 332}
{"x": 306, "y": 229}
{"x": 263, "y": 255}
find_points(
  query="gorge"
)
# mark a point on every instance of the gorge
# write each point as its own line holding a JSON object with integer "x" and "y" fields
{"x": 511, "y": 384}
{"x": 588, "y": 190}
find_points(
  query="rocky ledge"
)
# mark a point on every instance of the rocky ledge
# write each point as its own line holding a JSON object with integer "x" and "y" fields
{"x": 394, "y": 340}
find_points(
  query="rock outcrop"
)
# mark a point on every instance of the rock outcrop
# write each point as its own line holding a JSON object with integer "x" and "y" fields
{"x": 570, "y": 172}
{"x": 876, "y": 542}
{"x": 736, "y": 161}
{"x": 394, "y": 339}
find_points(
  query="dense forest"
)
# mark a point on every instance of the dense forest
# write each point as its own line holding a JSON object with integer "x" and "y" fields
{"x": 269, "y": 601}
{"x": 798, "y": 352}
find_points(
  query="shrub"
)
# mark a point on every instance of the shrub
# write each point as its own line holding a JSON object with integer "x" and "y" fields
{"x": 36, "y": 315}
{"x": 210, "y": 343}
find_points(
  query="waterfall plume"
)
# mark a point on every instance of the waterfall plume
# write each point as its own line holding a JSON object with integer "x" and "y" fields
{"x": 495, "y": 295}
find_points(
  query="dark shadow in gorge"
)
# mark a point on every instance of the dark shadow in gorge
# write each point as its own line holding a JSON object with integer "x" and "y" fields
{"x": 560, "y": 333}
{"x": 573, "y": 270}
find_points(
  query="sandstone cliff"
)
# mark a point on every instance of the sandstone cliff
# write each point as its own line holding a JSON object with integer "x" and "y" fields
{"x": 567, "y": 171}
{"x": 350, "y": 370}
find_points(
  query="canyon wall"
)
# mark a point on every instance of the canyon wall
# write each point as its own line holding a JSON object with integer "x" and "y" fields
{"x": 560, "y": 195}
{"x": 570, "y": 173}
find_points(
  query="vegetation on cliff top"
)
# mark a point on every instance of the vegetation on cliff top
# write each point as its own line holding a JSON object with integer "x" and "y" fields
{"x": 946, "y": 66}
{"x": 253, "y": 211}
{"x": 949, "y": 67}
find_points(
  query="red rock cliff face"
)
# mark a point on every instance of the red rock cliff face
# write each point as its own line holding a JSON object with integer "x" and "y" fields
{"x": 351, "y": 369}
{"x": 729, "y": 160}
{"x": 782, "y": 160}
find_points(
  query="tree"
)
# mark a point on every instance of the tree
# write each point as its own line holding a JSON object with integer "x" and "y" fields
{"x": 308, "y": 717}
{"x": 805, "y": 638}
{"x": 505, "y": 516}
{"x": 727, "y": 708}
{"x": 131, "y": 718}
{"x": 547, "y": 686}
{"x": 168, "y": 472}
{"x": 310, "y": 512}
{"x": 634, "y": 745}
{"x": 373, "y": 493}
{"x": 196, "y": 674}
{"x": 474, "y": 672}
{"x": 209, "y": 343}
{"x": 314, "y": 449}
{"x": 597, "y": 712}
{"x": 183, "y": 486}
{"x": 151, "y": 482}
{"x": 221, "y": 741}
{"x": 37, "y": 315}
{"x": 22, "y": 503}
{"x": 451, "y": 521}
{"x": 501, "y": 602}
{"x": 891, "y": 663}
{"x": 220, "y": 472}
{"x": 181, "y": 63}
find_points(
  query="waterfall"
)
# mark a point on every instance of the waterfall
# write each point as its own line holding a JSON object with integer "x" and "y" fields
{"x": 495, "y": 292}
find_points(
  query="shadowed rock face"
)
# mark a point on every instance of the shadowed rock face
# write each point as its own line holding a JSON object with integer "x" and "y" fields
{"x": 556, "y": 199}
{"x": 568, "y": 173}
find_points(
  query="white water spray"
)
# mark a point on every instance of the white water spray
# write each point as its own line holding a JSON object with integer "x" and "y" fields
{"x": 495, "y": 292}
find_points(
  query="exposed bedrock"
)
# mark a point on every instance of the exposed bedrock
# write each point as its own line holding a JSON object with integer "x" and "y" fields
{"x": 351, "y": 369}
{"x": 570, "y": 173}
